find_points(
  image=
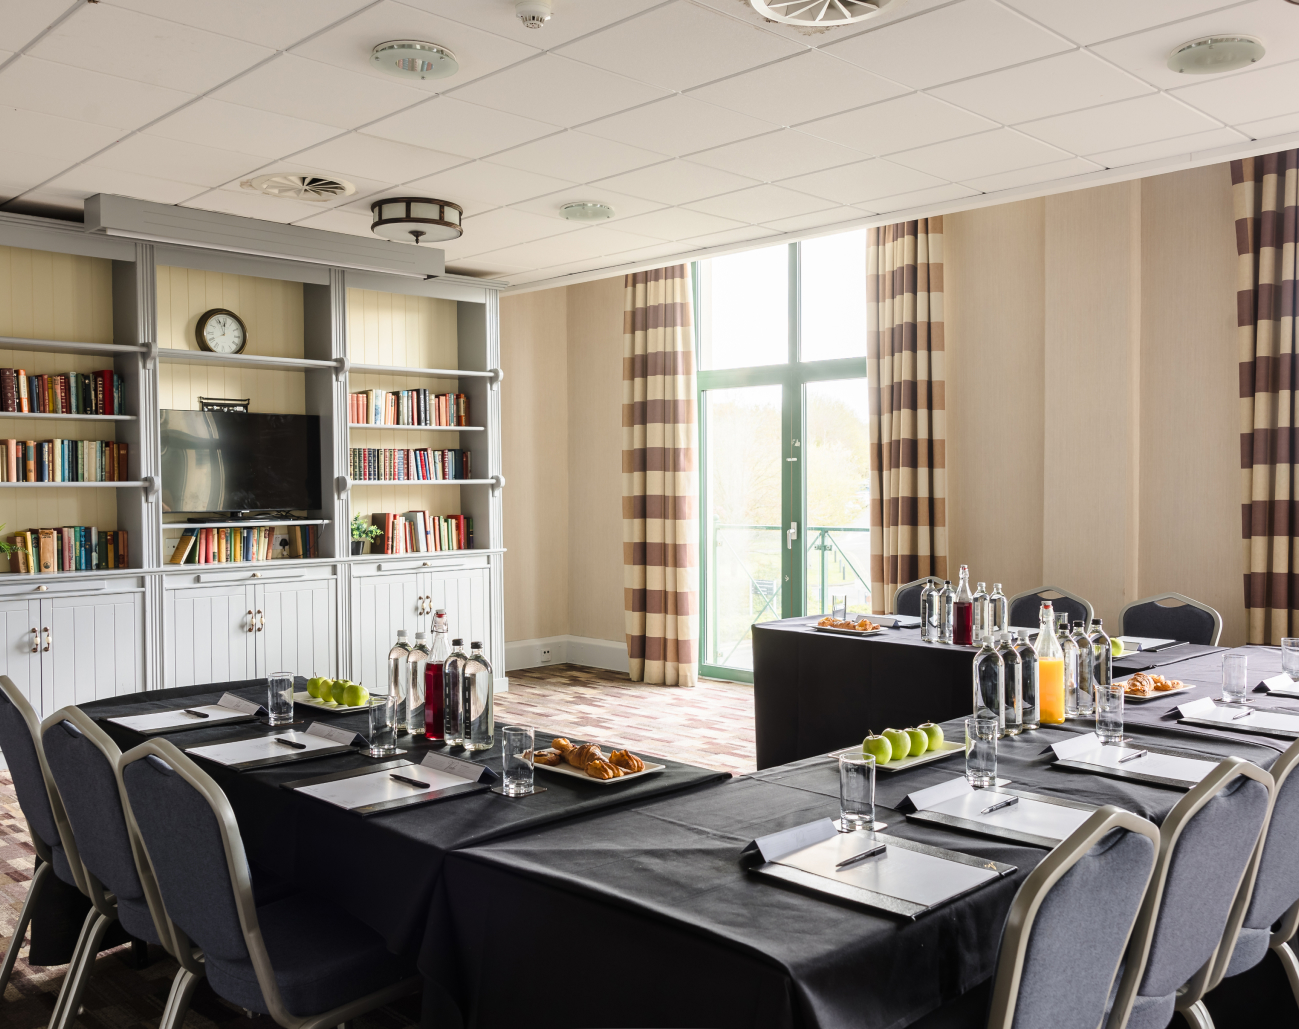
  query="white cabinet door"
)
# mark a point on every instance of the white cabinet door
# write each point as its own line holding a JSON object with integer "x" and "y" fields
{"x": 463, "y": 595}
{"x": 295, "y": 627}
{"x": 20, "y": 623}
{"x": 208, "y": 635}
{"x": 95, "y": 648}
{"x": 381, "y": 604}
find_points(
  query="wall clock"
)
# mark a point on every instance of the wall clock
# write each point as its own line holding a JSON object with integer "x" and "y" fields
{"x": 219, "y": 331}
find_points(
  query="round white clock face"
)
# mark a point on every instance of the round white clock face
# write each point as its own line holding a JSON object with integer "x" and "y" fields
{"x": 224, "y": 334}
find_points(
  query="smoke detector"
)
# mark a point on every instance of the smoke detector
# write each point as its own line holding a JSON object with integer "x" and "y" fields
{"x": 533, "y": 13}
{"x": 818, "y": 14}
{"x": 316, "y": 188}
{"x": 586, "y": 211}
{"x": 413, "y": 59}
{"x": 1212, "y": 55}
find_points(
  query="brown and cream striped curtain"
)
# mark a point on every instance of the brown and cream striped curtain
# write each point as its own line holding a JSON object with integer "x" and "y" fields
{"x": 904, "y": 349}
{"x": 1264, "y": 196}
{"x": 660, "y": 530}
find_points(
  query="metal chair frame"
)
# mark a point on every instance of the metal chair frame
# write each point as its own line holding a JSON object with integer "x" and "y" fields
{"x": 1217, "y": 618}
{"x": 241, "y": 882}
{"x": 1034, "y": 890}
{"x": 1091, "y": 612}
{"x": 915, "y": 582}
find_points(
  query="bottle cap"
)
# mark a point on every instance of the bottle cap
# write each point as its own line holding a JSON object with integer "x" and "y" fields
{"x": 1096, "y": 622}
{"x": 476, "y": 645}
{"x": 1023, "y": 634}
{"x": 401, "y": 633}
{"x": 1077, "y": 623}
{"x": 440, "y": 613}
{"x": 457, "y": 643}
{"x": 421, "y": 635}
{"x": 997, "y": 587}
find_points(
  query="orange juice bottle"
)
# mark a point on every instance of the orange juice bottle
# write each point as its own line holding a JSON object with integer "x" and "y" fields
{"x": 1050, "y": 668}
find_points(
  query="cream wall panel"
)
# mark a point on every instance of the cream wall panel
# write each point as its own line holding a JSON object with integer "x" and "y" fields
{"x": 407, "y": 331}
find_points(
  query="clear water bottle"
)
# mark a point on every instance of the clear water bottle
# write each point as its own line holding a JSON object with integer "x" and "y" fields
{"x": 997, "y": 604}
{"x": 946, "y": 606}
{"x": 478, "y": 700}
{"x": 435, "y": 697}
{"x": 1070, "y": 650}
{"x": 990, "y": 684}
{"x": 1030, "y": 710}
{"x": 1085, "y": 660}
{"x": 929, "y": 612}
{"x": 453, "y": 678}
{"x": 982, "y": 611}
{"x": 416, "y": 665}
{"x": 963, "y": 612}
{"x": 1102, "y": 655}
{"x": 1013, "y": 687}
{"x": 399, "y": 677}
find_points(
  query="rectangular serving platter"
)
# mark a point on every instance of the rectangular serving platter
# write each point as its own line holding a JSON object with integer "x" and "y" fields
{"x": 850, "y": 632}
{"x": 569, "y": 771}
{"x": 902, "y": 764}
{"x": 307, "y": 700}
{"x": 1130, "y": 698}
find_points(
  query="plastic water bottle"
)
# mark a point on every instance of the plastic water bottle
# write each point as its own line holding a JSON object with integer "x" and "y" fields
{"x": 416, "y": 664}
{"x": 929, "y": 613}
{"x": 453, "y": 678}
{"x": 1013, "y": 683}
{"x": 990, "y": 684}
{"x": 481, "y": 729}
{"x": 398, "y": 662}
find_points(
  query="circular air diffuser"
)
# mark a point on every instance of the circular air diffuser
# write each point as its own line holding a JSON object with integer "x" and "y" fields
{"x": 413, "y": 59}
{"x": 822, "y": 13}
{"x": 416, "y": 220}
{"x": 317, "y": 188}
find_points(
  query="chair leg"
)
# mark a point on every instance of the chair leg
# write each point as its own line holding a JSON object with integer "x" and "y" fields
{"x": 1291, "y": 965}
{"x": 182, "y": 991}
{"x": 1197, "y": 1016}
{"x": 80, "y": 970}
{"x": 43, "y": 871}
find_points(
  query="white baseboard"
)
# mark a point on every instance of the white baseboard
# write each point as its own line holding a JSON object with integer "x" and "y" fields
{"x": 578, "y": 650}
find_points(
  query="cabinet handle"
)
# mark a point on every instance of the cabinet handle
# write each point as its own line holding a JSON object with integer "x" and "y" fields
{"x": 36, "y": 640}
{"x": 261, "y": 624}
{"x": 47, "y": 637}
{"x": 251, "y": 620}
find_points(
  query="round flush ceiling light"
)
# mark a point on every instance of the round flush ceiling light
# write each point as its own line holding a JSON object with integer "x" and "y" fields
{"x": 1214, "y": 54}
{"x": 316, "y": 188}
{"x": 416, "y": 220}
{"x": 412, "y": 59}
{"x": 586, "y": 211}
{"x": 822, "y": 13}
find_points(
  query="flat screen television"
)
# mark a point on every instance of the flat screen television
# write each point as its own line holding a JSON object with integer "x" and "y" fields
{"x": 217, "y": 461}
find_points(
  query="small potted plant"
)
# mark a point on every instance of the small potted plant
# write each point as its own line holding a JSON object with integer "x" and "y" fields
{"x": 362, "y": 533}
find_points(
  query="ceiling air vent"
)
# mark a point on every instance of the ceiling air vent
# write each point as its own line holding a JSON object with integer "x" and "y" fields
{"x": 822, "y": 14}
{"x": 317, "y": 188}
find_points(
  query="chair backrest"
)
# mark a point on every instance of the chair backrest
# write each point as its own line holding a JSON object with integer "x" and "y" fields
{"x": 1023, "y": 608}
{"x": 1188, "y": 620}
{"x": 1205, "y": 846}
{"x": 1070, "y": 922}
{"x": 906, "y": 598}
{"x": 20, "y": 741}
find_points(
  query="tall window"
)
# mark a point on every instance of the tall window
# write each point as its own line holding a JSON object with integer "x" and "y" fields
{"x": 785, "y": 478}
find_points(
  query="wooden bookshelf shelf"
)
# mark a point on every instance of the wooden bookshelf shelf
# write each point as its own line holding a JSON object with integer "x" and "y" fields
{"x": 247, "y": 523}
{"x": 418, "y": 428}
{"x": 70, "y": 417}
{"x": 176, "y": 356}
{"x": 73, "y": 485}
{"x": 423, "y": 482}
{"x": 68, "y": 347}
{"x": 428, "y": 373}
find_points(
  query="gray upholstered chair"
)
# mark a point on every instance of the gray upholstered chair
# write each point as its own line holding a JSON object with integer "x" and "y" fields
{"x": 906, "y": 598}
{"x": 1070, "y": 922}
{"x": 52, "y": 839}
{"x": 1205, "y": 847}
{"x": 82, "y": 759}
{"x": 1266, "y": 913}
{"x": 1023, "y": 608}
{"x": 1188, "y": 620}
{"x": 300, "y": 960}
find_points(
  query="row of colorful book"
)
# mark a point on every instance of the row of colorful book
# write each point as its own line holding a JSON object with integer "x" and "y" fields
{"x": 418, "y": 532}
{"x": 205, "y": 546}
{"x": 69, "y": 548}
{"x": 407, "y": 407}
{"x": 74, "y": 393}
{"x": 64, "y": 460}
{"x": 377, "y": 464}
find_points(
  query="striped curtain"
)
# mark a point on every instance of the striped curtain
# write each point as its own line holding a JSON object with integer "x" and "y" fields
{"x": 660, "y": 530}
{"x": 1266, "y": 206}
{"x": 904, "y": 350}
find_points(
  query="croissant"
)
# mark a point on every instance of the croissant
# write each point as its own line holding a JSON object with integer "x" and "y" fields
{"x": 626, "y": 760}
{"x": 548, "y": 757}
{"x": 580, "y": 757}
{"x": 562, "y": 745}
{"x": 599, "y": 768}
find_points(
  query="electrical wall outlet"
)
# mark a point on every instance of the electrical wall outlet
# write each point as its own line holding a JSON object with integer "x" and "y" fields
{"x": 545, "y": 655}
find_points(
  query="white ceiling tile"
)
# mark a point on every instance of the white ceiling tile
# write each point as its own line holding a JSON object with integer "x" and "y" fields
{"x": 678, "y": 223}
{"x": 653, "y": 253}
{"x": 486, "y": 183}
{"x": 834, "y": 216}
{"x": 319, "y": 92}
{"x": 348, "y": 44}
{"x": 124, "y": 183}
{"x": 679, "y": 45}
{"x": 1146, "y": 53}
{"x": 678, "y": 125}
{"x": 1169, "y": 147}
{"x": 863, "y": 182}
{"x": 559, "y": 90}
{"x": 247, "y": 204}
{"x": 624, "y": 206}
{"x": 584, "y": 244}
{"x": 176, "y": 161}
{"x": 777, "y": 155}
{"x": 576, "y": 157}
{"x": 816, "y": 36}
{"x": 985, "y": 154}
{"x": 338, "y": 220}
{"x": 104, "y": 38}
{"x": 676, "y": 182}
{"x": 90, "y": 96}
{"x": 278, "y": 25}
{"x": 1282, "y": 125}
{"x": 1028, "y": 176}
{"x": 246, "y": 129}
{"x": 760, "y": 204}
{"x": 922, "y": 198}
{"x": 806, "y": 86}
{"x": 967, "y": 38}
{"x": 44, "y": 135}
{"x": 22, "y": 20}
{"x": 20, "y": 172}
{"x": 1126, "y": 123}
{"x": 502, "y": 228}
{"x": 1105, "y": 19}
{"x": 731, "y": 236}
{"x": 900, "y": 124}
{"x": 357, "y": 154}
{"x": 1260, "y": 94}
{"x": 1054, "y": 85}
{"x": 575, "y": 18}
{"x": 457, "y": 127}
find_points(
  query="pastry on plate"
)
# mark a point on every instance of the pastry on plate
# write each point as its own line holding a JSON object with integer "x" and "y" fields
{"x": 627, "y": 761}
{"x": 600, "y": 768}
{"x": 549, "y": 756}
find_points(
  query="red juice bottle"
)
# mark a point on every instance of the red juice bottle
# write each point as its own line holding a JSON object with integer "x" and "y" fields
{"x": 963, "y": 612}
{"x": 434, "y": 685}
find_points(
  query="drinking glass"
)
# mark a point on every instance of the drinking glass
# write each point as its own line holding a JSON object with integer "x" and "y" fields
{"x": 856, "y": 791}
{"x": 279, "y": 697}
{"x": 839, "y": 606}
{"x": 1109, "y": 712}
{"x": 1235, "y": 667}
{"x": 981, "y": 751}
{"x": 383, "y": 724}
{"x": 516, "y": 760}
{"x": 1290, "y": 658}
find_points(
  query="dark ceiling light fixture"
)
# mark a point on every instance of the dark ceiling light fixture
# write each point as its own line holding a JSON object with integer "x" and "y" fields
{"x": 416, "y": 220}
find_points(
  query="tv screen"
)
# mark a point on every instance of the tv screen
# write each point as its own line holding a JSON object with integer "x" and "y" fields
{"x": 218, "y": 461}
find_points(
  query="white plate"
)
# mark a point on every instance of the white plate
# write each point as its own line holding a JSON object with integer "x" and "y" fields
{"x": 307, "y": 700}
{"x": 947, "y": 748}
{"x": 577, "y": 773}
{"x": 849, "y": 632}
{"x": 1129, "y": 698}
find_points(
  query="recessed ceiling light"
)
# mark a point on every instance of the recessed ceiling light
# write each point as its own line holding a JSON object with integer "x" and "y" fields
{"x": 416, "y": 219}
{"x": 1214, "y": 54}
{"x": 412, "y": 59}
{"x": 822, "y": 13}
{"x": 586, "y": 211}
{"x": 316, "y": 188}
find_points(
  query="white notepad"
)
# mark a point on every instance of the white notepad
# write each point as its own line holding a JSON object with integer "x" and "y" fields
{"x": 1089, "y": 748}
{"x": 378, "y": 787}
{"x": 240, "y": 751}
{"x": 1027, "y": 816}
{"x": 229, "y": 707}
{"x": 1236, "y": 717}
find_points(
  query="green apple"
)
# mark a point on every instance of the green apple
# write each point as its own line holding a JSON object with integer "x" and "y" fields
{"x": 877, "y": 747}
{"x": 899, "y": 741}
{"x": 337, "y": 688}
{"x": 355, "y": 695}
{"x": 1116, "y": 645}
{"x": 919, "y": 741}
{"x": 313, "y": 686}
{"x": 935, "y": 734}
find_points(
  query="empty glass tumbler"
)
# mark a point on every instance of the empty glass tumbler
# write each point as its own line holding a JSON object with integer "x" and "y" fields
{"x": 279, "y": 697}
{"x": 981, "y": 751}
{"x": 856, "y": 792}
{"x": 516, "y": 761}
{"x": 1290, "y": 658}
{"x": 1235, "y": 670}
{"x": 383, "y": 724}
{"x": 1109, "y": 712}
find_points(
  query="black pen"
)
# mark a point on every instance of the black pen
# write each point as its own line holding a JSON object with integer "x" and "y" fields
{"x": 999, "y": 805}
{"x": 289, "y": 743}
{"x": 197, "y": 714}
{"x": 1243, "y": 714}
{"x": 409, "y": 782}
{"x": 862, "y": 856}
{"x": 1134, "y": 755}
